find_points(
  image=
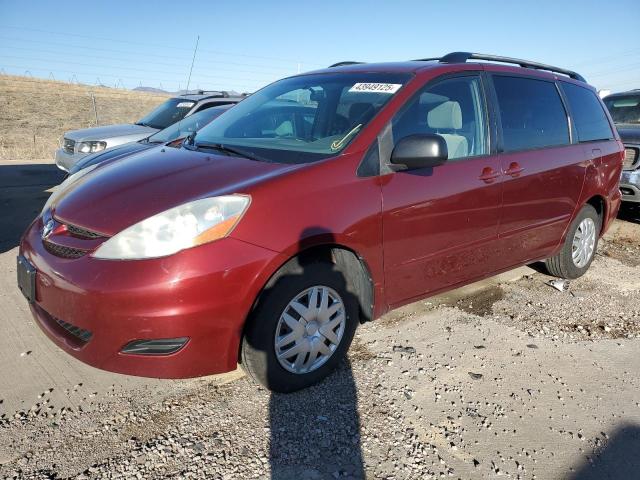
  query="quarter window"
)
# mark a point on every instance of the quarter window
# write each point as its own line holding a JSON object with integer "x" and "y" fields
{"x": 452, "y": 108}
{"x": 531, "y": 113}
{"x": 588, "y": 115}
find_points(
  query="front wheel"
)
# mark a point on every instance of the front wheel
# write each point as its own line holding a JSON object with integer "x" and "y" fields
{"x": 301, "y": 327}
{"x": 579, "y": 247}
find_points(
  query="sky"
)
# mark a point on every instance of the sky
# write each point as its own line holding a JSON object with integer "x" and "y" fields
{"x": 244, "y": 45}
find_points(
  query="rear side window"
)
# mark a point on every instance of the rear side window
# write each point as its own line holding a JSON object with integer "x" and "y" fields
{"x": 588, "y": 115}
{"x": 531, "y": 112}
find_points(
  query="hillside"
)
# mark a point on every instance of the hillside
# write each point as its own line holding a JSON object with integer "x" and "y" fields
{"x": 35, "y": 113}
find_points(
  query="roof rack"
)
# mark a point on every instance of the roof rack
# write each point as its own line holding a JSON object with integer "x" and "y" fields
{"x": 218, "y": 93}
{"x": 462, "y": 57}
{"x": 342, "y": 64}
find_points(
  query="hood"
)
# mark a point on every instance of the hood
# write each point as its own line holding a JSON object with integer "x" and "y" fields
{"x": 118, "y": 194}
{"x": 111, "y": 154}
{"x": 109, "y": 131}
{"x": 629, "y": 133}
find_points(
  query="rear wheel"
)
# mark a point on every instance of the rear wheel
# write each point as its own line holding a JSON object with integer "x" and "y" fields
{"x": 301, "y": 327}
{"x": 579, "y": 247}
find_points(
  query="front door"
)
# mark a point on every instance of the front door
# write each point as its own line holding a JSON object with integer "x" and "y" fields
{"x": 439, "y": 223}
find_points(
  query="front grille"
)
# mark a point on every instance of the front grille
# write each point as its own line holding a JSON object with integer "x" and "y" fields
{"x": 68, "y": 145}
{"x": 82, "y": 233}
{"x": 630, "y": 157}
{"x": 80, "y": 333}
{"x": 62, "y": 251}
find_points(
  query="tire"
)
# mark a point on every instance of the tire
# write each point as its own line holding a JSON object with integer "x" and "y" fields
{"x": 563, "y": 264}
{"x": 258, "y": 350}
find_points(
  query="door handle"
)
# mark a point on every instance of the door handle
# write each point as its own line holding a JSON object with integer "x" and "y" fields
{"x": 514, "y": 169}
{"x": 488, "y": 175}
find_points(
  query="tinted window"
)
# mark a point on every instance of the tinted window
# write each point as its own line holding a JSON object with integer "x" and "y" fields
{"x": 167, "y": 113}
{"x": 588, "y": 115}
{"x": 453, "y": 109}
{"x": 624, "y": 109}
{"x": 531, "y": 113}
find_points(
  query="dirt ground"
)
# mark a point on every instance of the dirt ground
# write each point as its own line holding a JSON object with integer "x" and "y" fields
{"x": 509, "y": 378}
{"x": 35, "y": 113}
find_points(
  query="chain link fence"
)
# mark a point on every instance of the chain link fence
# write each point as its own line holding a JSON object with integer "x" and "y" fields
{"x": 34, "y": 114}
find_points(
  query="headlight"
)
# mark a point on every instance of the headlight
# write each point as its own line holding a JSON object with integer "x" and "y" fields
{"x": 168, "y": 232}
{"x": 91, "y": 147}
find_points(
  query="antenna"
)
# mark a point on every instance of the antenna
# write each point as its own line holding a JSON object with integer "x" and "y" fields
{"x": 192, "y": 62}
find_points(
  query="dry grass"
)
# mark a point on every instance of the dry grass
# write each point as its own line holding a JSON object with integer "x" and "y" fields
{"x": 35, "y": 113}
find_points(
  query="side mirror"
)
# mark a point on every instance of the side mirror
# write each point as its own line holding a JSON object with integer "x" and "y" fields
{"x": 420, "y": 151}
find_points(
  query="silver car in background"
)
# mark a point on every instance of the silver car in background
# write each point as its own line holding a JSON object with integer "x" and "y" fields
{"x": 77, "y": 144}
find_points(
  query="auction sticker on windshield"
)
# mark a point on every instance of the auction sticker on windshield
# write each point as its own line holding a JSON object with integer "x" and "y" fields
{"x": 376, "y": 87}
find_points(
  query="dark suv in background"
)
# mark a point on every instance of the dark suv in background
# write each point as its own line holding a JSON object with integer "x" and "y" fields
{"x": 625, "y": 111}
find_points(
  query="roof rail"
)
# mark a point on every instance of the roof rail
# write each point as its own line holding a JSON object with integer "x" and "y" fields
{"x": 341, "y": 64}
{"x": 219, "y": 93}
{"x": 462, "y": 57}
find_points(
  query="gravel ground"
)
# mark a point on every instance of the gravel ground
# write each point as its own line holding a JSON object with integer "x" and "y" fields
{"x": 518, "y": 380}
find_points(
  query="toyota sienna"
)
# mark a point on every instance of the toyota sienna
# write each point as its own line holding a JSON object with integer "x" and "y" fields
{"x": 323, "y": 200}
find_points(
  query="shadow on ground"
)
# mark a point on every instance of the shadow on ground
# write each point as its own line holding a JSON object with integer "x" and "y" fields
{"x": 315, "y": 432}
{"x": 23, "y": 193}
{"x": 618, "y": 459}
{"x": 629, "y": 212}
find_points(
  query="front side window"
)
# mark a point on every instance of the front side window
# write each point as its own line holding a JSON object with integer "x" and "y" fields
{"x": 588, "y": 115}
{"x": 531, "y": 113}
{"x": 452, "y": 108}
{"x": 624, "y": 109}
{"x": 167, "y": 113}
{"x": 303, "y": 119}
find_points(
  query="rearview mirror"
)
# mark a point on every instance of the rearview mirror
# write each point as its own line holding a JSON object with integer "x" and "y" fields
{"x": 420, "y": 151}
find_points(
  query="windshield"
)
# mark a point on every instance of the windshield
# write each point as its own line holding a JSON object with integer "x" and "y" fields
{"x": 167, "y": 113}
{"x": 188, "y": 125}
{"x": 624, "y": 109}
{"x": 304, "y": 118}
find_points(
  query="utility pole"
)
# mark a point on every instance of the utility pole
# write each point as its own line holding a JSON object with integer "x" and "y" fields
{"x": 192, "y": 62}
{"x": 95, "y": 109}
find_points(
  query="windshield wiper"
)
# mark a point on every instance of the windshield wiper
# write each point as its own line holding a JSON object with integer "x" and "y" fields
{"x": 224, "y": 149}
{"x": 227, "y": 149}
{"x": 190, "y": 144}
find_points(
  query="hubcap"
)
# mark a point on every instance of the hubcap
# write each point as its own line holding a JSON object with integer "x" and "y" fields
{"x": 584, "y": 242}
{"x": 310, "y": 329}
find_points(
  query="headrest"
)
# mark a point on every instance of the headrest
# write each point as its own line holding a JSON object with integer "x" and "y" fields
{"x": 445, "y": 115}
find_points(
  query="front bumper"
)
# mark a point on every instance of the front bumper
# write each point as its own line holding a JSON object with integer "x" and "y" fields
{"x": 203, "y": 293}
{"x": 65, "y": 161}
{"x": 630, "y": 185}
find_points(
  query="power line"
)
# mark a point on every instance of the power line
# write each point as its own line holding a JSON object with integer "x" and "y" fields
{"x": 100, "y": 57}
{"x": 128, "y": 42}
{"x": 609, "y": 58}
{"x": 139, "y": 55}
{"x": 241, "y": 86}
{"x": 115, "y": 67}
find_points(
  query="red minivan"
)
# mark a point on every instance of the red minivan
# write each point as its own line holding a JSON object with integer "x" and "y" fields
{"x": 323, "y": 200}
